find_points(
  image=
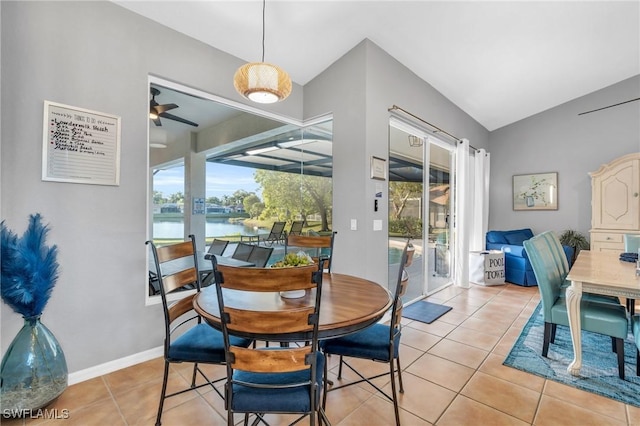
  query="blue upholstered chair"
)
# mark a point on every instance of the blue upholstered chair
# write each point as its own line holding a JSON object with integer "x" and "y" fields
{"x": 517, "y": 268}
{"x": 380, "y": 343}
{"x": 286, "y": 380}
{"x": 186, "y": 340}
{"x": 603, "y": 318}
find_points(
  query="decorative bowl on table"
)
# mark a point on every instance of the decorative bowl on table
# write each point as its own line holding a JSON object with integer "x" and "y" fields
{"x": 291, "y": 260}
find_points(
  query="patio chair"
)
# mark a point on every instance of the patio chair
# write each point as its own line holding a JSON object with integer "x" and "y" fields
{"x": 277, "y": 234}
{"x": 186, "y": 339}
{"x": 260, "y": 256}
{"x": 316, "y": 246}
{"x": 296, "y": 227}
{"x": 218, "y": 246}
{"x": 379, "y": 343}
{"x": 285, "y": 380}
{"x": 602, "y": 318}
{"x": 243, "y": 251}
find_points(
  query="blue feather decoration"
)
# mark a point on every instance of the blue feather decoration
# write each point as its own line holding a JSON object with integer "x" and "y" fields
{"x": 29, "y": 268}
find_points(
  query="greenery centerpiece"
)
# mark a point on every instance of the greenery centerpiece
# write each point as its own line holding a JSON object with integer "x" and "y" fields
{"x": 294, "y": 259}
{"x": 291, "y": 260}
{"x": 34, "y": 370}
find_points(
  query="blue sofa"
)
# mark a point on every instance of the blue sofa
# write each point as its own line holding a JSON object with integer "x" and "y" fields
{"x": 517, "y": 268}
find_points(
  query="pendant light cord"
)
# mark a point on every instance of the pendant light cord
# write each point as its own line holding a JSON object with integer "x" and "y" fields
{"x": 264, "y": 5}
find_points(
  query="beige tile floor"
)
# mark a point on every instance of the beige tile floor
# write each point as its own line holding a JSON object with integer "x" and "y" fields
{"x": 452, "y": 371}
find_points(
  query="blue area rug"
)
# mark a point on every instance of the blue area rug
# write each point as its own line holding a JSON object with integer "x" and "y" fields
{"x": 599, "y": 372}
{"x": 425, "y": 311}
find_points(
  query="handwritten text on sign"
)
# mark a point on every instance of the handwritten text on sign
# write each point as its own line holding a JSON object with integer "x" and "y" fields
{"x": 80, "y": 146}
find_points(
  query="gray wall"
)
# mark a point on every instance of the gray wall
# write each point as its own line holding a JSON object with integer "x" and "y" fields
{"x": 560, "y": 140}
{"x": 359, "y": 89}
{"x": 94, "y": 55}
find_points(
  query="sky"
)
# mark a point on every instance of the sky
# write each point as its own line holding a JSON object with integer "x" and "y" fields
{"x": 221, "y": 180}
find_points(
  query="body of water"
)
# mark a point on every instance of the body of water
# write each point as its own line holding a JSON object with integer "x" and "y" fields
{"x": 215, "y": 227}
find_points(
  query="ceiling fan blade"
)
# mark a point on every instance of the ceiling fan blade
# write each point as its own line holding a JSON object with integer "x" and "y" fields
{"x": 176, "y": 118}
{"x": 165, "y": 107}
{"x": 157, "y": 121}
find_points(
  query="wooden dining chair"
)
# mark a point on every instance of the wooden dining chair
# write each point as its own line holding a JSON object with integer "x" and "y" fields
{"x": 285, "y": 380}
{"x": 187, "y": 339}
{"x": 316, "y": 246}
{"x": 602, "y": 318}
{"x": 379, "y": 343}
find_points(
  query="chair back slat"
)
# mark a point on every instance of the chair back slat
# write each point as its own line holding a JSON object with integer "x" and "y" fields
{"x": 290, "y": 321}
{"x": 174, "y": 251}
{"x": 266, "y": 279}
{"x": 180, "y": 279}
{"x": 181, "y": 307}
{"x": 273, "y": 361}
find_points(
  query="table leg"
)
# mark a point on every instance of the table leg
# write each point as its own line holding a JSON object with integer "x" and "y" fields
{"x": 574, "y": 295}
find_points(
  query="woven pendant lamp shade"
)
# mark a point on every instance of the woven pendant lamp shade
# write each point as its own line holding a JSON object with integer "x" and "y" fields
{"x": 262, "y": 82}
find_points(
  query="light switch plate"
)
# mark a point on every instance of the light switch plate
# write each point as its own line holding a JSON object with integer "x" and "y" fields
{"x": 377, "y": 225}
{"x": 354, "y": 224}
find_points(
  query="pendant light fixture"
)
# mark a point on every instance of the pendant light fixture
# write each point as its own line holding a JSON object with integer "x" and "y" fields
{"x": 262, "y": 82}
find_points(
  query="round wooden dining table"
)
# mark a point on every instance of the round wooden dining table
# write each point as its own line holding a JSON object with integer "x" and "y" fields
{"x": 348, "y": 304}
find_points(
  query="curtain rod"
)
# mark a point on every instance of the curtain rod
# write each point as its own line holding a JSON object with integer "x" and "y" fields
{"x": 438, "y": 129}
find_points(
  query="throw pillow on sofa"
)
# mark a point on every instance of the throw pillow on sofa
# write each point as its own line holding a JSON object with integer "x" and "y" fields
{"x": 517, "y": 238}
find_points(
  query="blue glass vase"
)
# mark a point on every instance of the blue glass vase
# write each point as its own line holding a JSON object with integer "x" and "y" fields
{"x": 33, "y": 371}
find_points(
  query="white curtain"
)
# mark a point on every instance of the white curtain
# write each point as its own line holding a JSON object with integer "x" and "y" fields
{"x": 462, "y": 218}
{"x": 480, "y": 207}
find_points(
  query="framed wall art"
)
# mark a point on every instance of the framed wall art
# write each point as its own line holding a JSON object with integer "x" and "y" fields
{"x": 537, "y": 191}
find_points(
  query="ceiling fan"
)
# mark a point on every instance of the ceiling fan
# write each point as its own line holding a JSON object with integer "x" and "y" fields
{"x": 156, "y": 111}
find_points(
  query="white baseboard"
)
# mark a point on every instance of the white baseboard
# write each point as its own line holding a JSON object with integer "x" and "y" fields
{"x": 116, "y": 364}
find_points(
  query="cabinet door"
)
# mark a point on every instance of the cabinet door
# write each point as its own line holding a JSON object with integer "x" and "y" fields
{"x": 616, "y": 196}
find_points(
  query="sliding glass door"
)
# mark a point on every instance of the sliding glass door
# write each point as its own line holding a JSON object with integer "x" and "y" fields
{"x": 420, "y": 206}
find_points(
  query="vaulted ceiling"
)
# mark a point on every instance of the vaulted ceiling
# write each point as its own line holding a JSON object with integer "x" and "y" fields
{"x": 498, "y": 61}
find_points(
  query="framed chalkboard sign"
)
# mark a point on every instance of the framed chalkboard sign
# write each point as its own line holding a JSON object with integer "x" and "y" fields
{"x": 80, "y": 146}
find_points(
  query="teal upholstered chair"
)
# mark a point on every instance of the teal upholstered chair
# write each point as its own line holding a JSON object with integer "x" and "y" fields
{"x": 560, "y": 259}
{"x": 635, "y": 326}
{"x": 602, "y": 318}
{"x": 631, "y": 243}
{"x": 380, "y": 343}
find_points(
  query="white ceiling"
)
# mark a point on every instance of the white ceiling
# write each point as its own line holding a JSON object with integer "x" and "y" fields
{"x": 498, "y": 61}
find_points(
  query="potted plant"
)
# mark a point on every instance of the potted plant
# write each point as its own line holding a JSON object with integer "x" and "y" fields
{"x": 575, "y": 240}
{"x": 34, "y": 370}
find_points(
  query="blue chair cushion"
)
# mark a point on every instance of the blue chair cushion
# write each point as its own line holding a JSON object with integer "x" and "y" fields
{"x": 202, "y": 343}
{"x": 370, "y": 343}
{"x": 285, "y": 400}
